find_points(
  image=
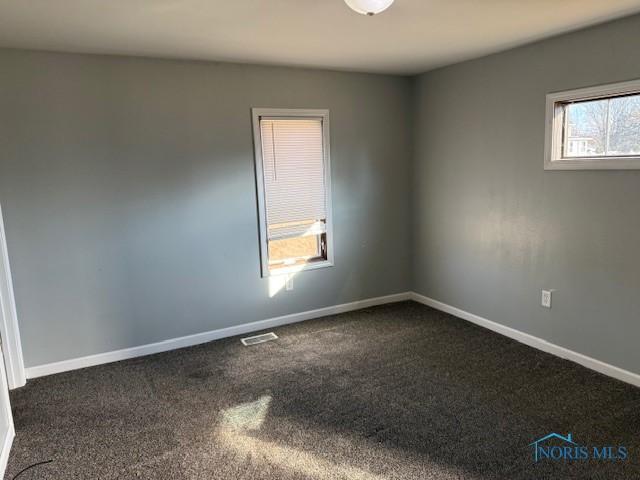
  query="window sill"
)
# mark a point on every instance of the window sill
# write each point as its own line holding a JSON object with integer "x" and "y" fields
{"x": 594, "y": 163}
{"x": 299, "y": 268}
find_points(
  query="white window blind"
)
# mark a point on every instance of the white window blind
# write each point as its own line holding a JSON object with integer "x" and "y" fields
{"x": 294, "y": 177}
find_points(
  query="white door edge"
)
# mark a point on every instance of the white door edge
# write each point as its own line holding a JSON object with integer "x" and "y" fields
{"x": 9, "y": 330}
{"x": 6, "y": 449}
{"x": 7, "y": 424}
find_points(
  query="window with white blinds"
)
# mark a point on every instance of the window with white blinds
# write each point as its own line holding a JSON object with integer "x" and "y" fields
{"x": 292, "y": 171}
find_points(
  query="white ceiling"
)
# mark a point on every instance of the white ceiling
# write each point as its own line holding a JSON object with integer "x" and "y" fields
{"x": 411, "y": 37}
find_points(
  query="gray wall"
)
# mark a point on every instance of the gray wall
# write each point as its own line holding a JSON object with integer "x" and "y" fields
{"x": 129, "y": 199}
{"x": 129, "y": 195}
{"x": 492, "y": 228}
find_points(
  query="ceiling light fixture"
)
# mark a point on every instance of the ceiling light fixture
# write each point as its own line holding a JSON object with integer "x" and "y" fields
{"x": 369, "y": 7}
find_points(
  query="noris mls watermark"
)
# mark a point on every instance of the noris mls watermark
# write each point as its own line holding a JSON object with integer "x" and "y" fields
{"x": 563, "y": 448}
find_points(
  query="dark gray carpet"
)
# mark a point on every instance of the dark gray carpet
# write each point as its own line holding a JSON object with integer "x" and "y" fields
{"x": 393, "y": 392}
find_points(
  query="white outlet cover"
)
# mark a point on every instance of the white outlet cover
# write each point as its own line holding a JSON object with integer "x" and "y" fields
{"x": 546, "y": 298}
{"x": 289, "y": 284}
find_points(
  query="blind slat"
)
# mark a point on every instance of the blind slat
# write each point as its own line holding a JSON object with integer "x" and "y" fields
{"x": 296, "y": 230}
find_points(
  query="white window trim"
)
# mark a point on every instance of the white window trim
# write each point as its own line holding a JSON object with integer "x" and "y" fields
{"x": 257, "y": 114}
{"x": 553, "y": 130}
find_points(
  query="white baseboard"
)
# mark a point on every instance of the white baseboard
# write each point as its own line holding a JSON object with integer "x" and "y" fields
{"x": 535, "y": 342}
{"x": 190, "y": 340}
{"x": 199, "y": 338}
{"x": 6, "y": 449}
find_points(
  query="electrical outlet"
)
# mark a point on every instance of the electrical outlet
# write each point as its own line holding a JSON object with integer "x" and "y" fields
{"x": 546, "y": 298}
{"x": 289, "y": 284}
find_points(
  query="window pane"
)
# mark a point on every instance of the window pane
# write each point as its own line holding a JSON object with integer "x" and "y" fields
{"x": 607, "y": 127}
{"x": 624, "y": 126}
{"x": 586, "y": 129}
{"x": 293, "y": 251}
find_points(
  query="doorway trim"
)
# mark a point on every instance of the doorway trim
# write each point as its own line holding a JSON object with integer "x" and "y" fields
{"x": 7, "y": 441}
{"x": 9, "y": 330}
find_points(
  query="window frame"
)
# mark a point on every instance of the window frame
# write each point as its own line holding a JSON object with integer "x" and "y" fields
{"x": 287, "y": 113}
{"x": 554, "y": 128}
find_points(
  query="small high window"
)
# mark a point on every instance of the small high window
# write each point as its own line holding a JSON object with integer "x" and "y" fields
{"x": 293, "y": 185}
{"x": 594, "y": 128}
